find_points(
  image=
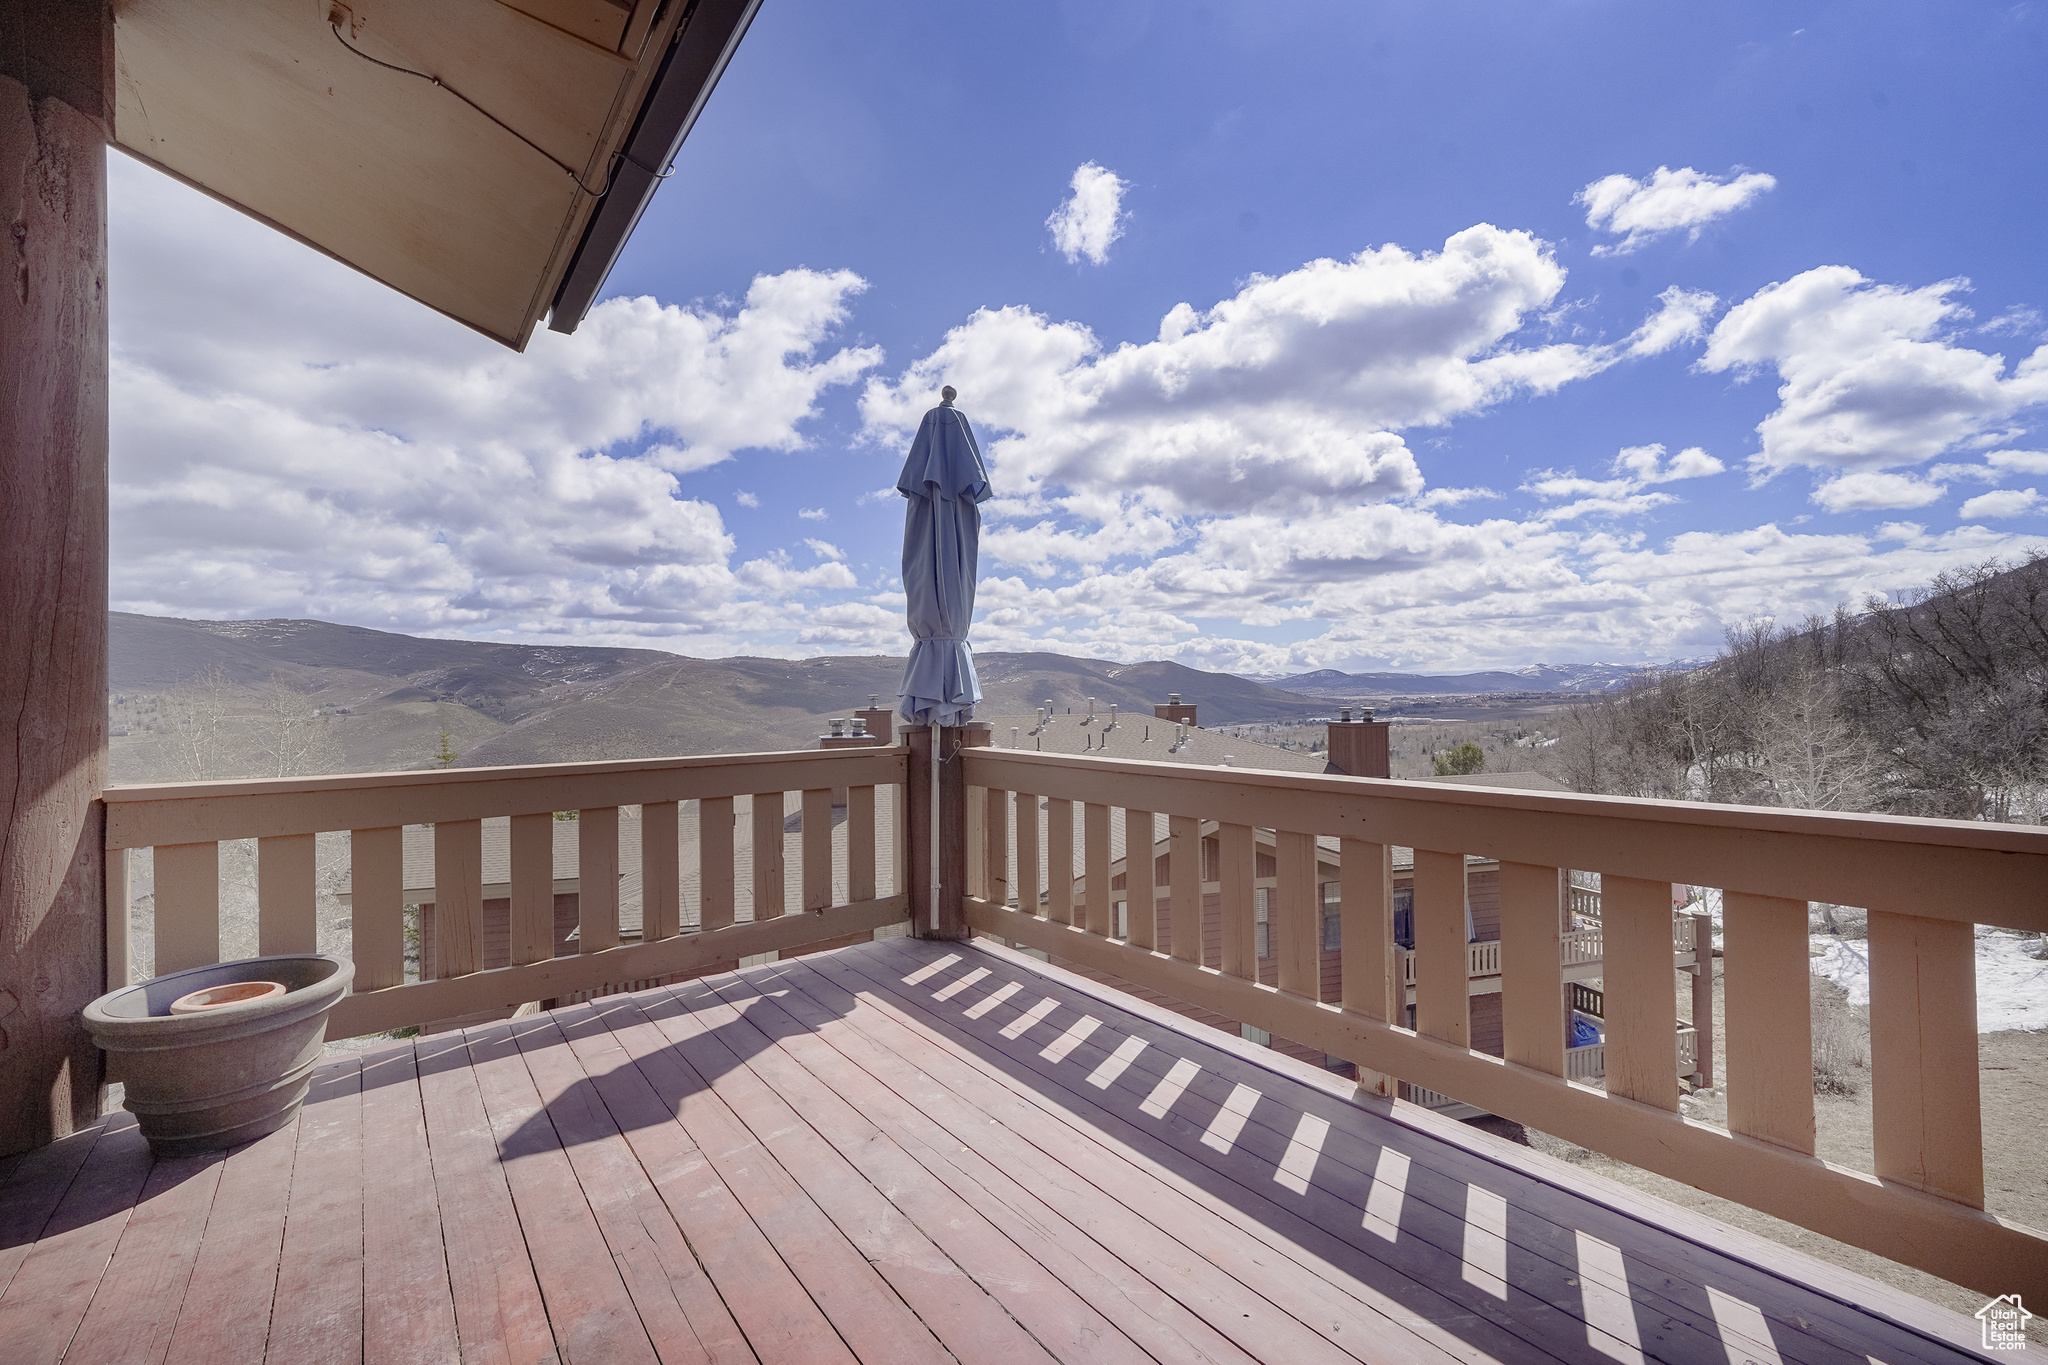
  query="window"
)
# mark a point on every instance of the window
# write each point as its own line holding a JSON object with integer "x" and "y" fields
{"x": 1262, "y": 928}
{"x": 1255, "y": 1035}
{"x": 1404, "y": 918}
{"x": 1333, "y": 918}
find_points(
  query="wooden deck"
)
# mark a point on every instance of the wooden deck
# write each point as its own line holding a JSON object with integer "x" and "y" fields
{"x": 898, "y": 1152}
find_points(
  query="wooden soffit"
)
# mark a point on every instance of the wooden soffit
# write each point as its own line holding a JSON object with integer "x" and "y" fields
{"x": 472, "y": 204}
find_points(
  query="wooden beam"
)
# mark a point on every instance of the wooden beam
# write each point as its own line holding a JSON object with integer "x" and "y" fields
{"x": 56, "y": 113}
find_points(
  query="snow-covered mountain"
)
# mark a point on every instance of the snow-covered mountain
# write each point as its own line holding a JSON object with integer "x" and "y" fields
{"x": 1580, "y": 678}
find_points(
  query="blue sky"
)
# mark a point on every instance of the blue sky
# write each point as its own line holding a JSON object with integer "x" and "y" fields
{"x": 1737, "y": 233}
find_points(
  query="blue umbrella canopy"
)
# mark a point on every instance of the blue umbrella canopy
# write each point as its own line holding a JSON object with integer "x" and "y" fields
{"x": 946, "y": 483}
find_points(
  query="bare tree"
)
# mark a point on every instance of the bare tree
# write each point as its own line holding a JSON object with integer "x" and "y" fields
{"x": 293, "y": 733}
{"x": 198, "y": 728}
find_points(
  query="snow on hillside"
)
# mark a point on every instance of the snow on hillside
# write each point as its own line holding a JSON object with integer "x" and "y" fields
{"x": 2012, "y": 984}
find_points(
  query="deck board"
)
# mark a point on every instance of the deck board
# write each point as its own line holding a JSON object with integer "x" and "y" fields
{"x": 1541, "y": 1303}
{"x": 226, "y": 1312}
{"x": 964, "y": 1317}
{"x": 878, "y": 1154}
{"x": 408, "y": 1304}
{"x": 319, "y": 1315}
{"x": 500, "y": 1316}
{"x": 684, "y": 1318}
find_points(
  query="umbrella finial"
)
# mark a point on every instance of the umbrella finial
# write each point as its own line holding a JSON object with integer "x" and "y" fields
{"x": 947, "y": 394}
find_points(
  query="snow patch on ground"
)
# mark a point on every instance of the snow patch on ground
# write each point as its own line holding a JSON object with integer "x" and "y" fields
{"x": 2012, "y": 984}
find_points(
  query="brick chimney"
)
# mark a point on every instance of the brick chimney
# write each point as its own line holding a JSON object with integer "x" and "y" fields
{"x": 851, "y": 733}
{"x": 1171, "y": 710}
{"x": 1358, "y": 748}
{"x": 880, "y": 720}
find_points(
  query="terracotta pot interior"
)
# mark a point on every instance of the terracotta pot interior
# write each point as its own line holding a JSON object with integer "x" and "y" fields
{"x": 233, "y": 993}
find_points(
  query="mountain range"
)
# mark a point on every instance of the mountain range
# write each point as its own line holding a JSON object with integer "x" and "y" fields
{"x": 387, "y": 698}
{"x": 1574, "y": 678}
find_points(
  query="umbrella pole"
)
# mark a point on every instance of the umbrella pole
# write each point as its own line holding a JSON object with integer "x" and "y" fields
{"x": 934, "y": 804}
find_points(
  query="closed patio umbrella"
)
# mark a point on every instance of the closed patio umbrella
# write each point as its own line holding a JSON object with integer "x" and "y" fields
{"x": 946, "y": 483}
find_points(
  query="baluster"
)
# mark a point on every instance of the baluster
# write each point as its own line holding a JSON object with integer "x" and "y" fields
{"x": 1532, "y": 966}
{"x": 532, "y": 915}
{"x": 1442, "y": 994}
{"x": 769, "y": 897}
{"x": 286, "y": 920}
{"x": 458, "y": 898}
{"x": 120, "y": 900}
{"x": 974, "y": 830}
{"x": 1235, "y": 868}
{"x": 1141, "y": 880}
{"x": 1095, "y": 853}
{"x": 1642, "y": 994}
{"x": 1767, "y": 988}
{"x": 1366, "y": 911}
{"x": 860, "y": 844}
{"x": 661, "y": 881}
{"x": 817, "y": 848}
{"x": 1296, "y": 914}
{"x": 597, "y": 878}
{"x": 187, "y": 906}
{"x": 1059, "y": 860}
{"x": 1184, "y": 874}
{"x": 376, "y": 912}
{"x": 716, "y": 821}
{"x": 1927, "y": 1126}
{"x": 1027, "y": 854}
{"x": 996, "y": 846}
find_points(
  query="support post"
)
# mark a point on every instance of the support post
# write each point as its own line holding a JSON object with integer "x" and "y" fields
{"x": 56, "y": 112}
{"x": 945, "y": 916}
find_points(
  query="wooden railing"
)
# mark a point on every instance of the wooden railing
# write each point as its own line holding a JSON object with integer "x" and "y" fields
{"x": 1923, "y": 882}
{"x": 1583, "y": 901}
{"x": 185, "y": 823}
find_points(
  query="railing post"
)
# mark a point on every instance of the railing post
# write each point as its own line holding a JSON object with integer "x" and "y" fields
{"x": 1927, "y": 1124}
{"x": 943, "y": 916}
{"x": 1370, "y": 971}
{"x": 1532, "y": 1007}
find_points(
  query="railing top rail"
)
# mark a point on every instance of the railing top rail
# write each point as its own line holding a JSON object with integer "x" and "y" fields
{"x": 196, "y": 812}
{"x": 1943, "y": 869}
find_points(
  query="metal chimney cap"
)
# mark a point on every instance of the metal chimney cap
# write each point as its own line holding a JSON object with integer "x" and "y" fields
{"x": 1173, "y": 699}
{"x": 1343, "y": 715}
{"x": 838, "y": 725}
{"x": 860, "y": 725}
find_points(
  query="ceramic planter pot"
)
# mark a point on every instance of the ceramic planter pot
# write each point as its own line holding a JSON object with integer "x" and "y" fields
{"x": 224, "y": 1075}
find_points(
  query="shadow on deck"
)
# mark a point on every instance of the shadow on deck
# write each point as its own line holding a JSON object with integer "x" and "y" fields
{"x": 902, "y": 1151}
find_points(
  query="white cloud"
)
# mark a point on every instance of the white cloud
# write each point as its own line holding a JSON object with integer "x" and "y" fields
{"x": 746, "y": 499}
{"x": 1288, "y": 395}
{"x": 1870, "y": 380}
{"x": 2019, "y": 461}
{"x": 1635, "y": 468}
{"x": 825, "y": 549}
{"x": 813, "y": 513}
{"x": 2005, "y": 502}
{"x": 1869, "y": 491}
{"x": 1666, "y": 201}
{"x": 1646, "y": 464}
{"x": 1092, "y": 216}
{"x": 290, "y": 438}
{"x": 875, "y": 495}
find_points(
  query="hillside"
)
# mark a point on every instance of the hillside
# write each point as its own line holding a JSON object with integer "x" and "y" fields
{"x": 1571, "y": 678}
{"x": 384, "y": 699}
